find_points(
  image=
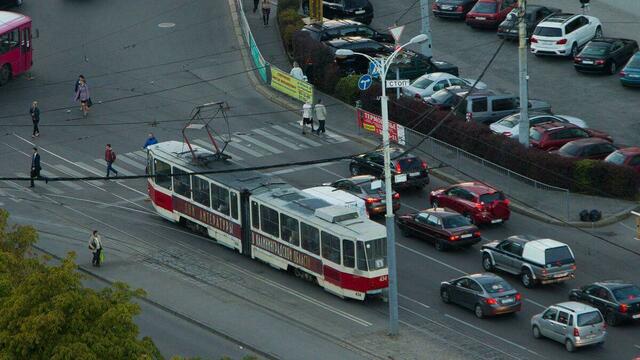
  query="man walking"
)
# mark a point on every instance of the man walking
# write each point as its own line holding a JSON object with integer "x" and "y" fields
{"x": 35, "y": 118}
{"x": 150, "y": 141}
{"x": 95, "y": 245}
{"x": 35, "y": 166}
{"x": 306, "y": 117}
{"x": 110, "y": 157}
{"x": 321, "y": 115}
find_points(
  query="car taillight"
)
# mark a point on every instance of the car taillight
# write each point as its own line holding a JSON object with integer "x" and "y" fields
{"x": 396, "y": 196}
{"x": 480, "y": 206}
{"x": 604, "y": 325}
{"x": 624, "y": 308}
{"x": 490, "y": 301}
{"x": 577, "y": 59}
{"x": 460, "y": 8}
{"x": 418, "y": 96}
{"x": 600, "y": 62}
{"x": 477, "y": 234}
{"x": 434, "y": 6}
{"x": 622, "y": 74}
{"x": 561, "y": 42}
{"x": 573, "y": 267}
{"x": 506, "y": 201}
{"x": 533, "y": 40}
{"x": 469, "y": 116}
{"x": 398, "y": 168}
{"x": 507, "y": 133}
{"x": 424, "y": 165}
{"x": 518, "y": 297}
{"x": 576, "y": 332}
{"x": 454, "y": 237}
{"x": 372, "y": 200}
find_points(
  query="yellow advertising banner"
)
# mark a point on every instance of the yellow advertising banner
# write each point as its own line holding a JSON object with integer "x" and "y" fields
{"x": 315, "y": 10}
{"x": 291, "y": 86}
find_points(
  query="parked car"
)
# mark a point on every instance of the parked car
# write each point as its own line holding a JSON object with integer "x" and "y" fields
{"x": 630, "y": 74}
{"x": 618, "y": 301}
{"x": 333, "y": 29}
{"x": 446, "y": 229}
{"x": 427, "y": 84}
{"x": 358, "y": 10}
{"x": 485, "y": 294}
{"x": 629, "y": 156}
{"x": 553, "y": 135}
{"x": 452, "y": 8}
{"x": 570, "y": 323}
{"x": 487, "y": 106}
{"x": 414, "y": 169}
{"x": 489, "y": 13}
{"x": 509, "y": 126}
{"x": 605, "y": 55}
{"x": 535, "y": 260}
{"x": 589, "y": 148}
{"x": 8, "y": 3}
{"x": 444, "y": 99}
{"x": 478, "y": 202}
{"x": 534, "y": 14}
{"x": 369, "y": 189}
{"x": 564, "y": 34}
{"x": 410, "y": 63}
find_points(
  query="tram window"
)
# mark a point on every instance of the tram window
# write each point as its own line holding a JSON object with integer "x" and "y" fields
{"x": 348, "y": 254}
{"x": 163, "y": 174}
{"x": 201, "y": 191}
{"x": 331, "y": 247}
{"x": 310, "y": 238}
{"x": 269, "y": 221}
{"x": 234, "y": 205}
{"x": 255, "y": 216}
{"x": 362, "y": 259}
{"x": 289, "y": 230}
{"x": 220, "y": 199}
{"x": 181, "y": 182}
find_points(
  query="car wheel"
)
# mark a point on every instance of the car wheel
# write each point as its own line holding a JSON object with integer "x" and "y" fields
{"x": 354, "y": 170}
{"x": 598, "y": 32}
{"x": 536, "y": 332}
{"x": 478, "y": 311}
{"x": 527, "y": 279}
{"x": 569, "y": 346}
{"x": 5, "y": 74}
{"x": 487, "y": 264}
{"x": 612, "y": 68}
{"x": 574, "y": 50}
{"x": 611, "y": 319}
{"x": 440, "y": 245}
{"x": 444, "y": 294}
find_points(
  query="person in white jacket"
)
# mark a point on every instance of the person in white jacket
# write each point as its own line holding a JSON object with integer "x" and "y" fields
{"x": 297, "y": 73}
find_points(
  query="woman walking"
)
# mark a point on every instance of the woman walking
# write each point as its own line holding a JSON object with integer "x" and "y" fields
{"x": 82, "y": 95}
{"x": 266, "y": 11}
{"x": 35, "y": 118}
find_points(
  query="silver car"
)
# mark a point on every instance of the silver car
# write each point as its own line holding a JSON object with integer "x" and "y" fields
{"x": 572, "y": 323}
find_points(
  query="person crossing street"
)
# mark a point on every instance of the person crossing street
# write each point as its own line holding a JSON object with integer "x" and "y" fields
{"x": 110, "y": 158}
{"x": 35, "y": 166}
{"x": 95, "y": 245}
{"x": 34, "y": 110}
{"x": 306, "y": 117}
{"x": 321, "y": 114}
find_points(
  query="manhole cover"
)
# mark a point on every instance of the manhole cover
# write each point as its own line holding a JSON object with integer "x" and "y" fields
{"x": 166, "y": 25}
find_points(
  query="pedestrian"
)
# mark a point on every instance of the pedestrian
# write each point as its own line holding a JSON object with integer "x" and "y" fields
{"x": 83, "y": 95}
{"x": 35, "y": 118}
{"x": 110, "y": 158}
{"x": 35, "y": 166}
{"x": 297, "y": 72}
{"x": 95, "y": 245}
{"x": 321, "y": 114}
{"x": 586, "y": 7}
{"x": 150, "y": 141}
{"x": 80, "y": 78}
{"x": 266, "y": 11}
{"x": 255, "y": 5}
{"x": 306, "y": 117}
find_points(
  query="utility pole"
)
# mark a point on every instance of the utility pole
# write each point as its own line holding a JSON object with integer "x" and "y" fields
{"x": 425, "y": 48}
{"x": 523, "y": 135}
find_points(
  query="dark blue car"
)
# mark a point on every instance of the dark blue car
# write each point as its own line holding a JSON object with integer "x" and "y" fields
{"x": 630, "y": 74}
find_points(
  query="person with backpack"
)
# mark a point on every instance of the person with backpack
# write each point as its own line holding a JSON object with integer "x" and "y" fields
{"x": 110, "y": 158}
{"x": 95, "y": 245}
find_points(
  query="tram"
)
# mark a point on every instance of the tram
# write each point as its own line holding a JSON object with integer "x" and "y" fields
{"x": 269, "y": 220}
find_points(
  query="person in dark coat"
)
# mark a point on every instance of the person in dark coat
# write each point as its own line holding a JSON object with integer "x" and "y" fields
{"x": 35, "y": 166}
{"x": 35, "y": 118}
{"x": 255, "y": 5}
{"x": 150, "y": 141}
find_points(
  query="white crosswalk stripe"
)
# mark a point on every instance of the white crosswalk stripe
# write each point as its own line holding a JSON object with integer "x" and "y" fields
{"x": 328, "y": 136}
{"x": 245, "y": 149}
{"x": 133, "y": 161}
{"x": 118, "y": 168}
{"x": 296, "y": 136}
{"x": 278, "y": 139}
{"x": 207, "y": 145}
{"x": 69, "y": 184}
{"x": 69, "y": 171}
{"x": 47, "y": 187}
{"x": 12, "y": 185}
{"x": 260, "y": 143}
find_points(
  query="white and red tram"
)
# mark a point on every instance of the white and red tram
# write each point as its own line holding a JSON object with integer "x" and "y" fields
{"x": 269, "y": 220}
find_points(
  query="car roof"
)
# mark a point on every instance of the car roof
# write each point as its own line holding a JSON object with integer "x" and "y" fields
{"x": 437, "y": 76}
{"x": 440, "y": 212}
{"x": 484, "y": 276}
{"x": 543, "y": 244}
{"x": 360, "y": 179}
{"x": 349, "y": 39}
{"x": 589, "y": 141}
{"x": 633, "y": 150}
{"x": 476, "y": 187}
{"x": 331, "y": 24}
{"x": 613, "y": 284}
{"x": 557, "y": 19}
{"x": 554, "y": 125}
{"x": 574, "y": 306}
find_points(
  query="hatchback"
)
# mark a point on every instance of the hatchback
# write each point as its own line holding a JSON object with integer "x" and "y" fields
{"x": 489, "y": 13}
{"x": 629, "y": 156}
{"x": 485, "y": 294}
{"x": 570, "y": 323}
{"x": 510, "y": 125}
{"x": 553, "y": 135}
{"x": 630, "y": 74}
{"x": 478, "y": 202}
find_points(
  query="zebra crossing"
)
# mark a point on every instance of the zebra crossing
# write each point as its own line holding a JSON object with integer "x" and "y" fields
{"x": 271, "y": 140}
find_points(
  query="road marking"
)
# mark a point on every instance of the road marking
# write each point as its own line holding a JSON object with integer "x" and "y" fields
{"x": 245, "y": 149}
{"x": 490, "y": 334}
{"x": 415, "y": 301}
{"x": 69, "y": 184}
{"x": 260, "y": 144}
{"x": 103, "y": 204}
{"x": 72, "y": 172}
{"x": 276, "y": 139}
{"x": 128, "y": 160}
{"x": 409, "y": 206}
{"x": 49, "y": 188}
{"x": 430, "y": 258}
{"x": 119, "y": 169}
{"x": 329, "y": 134}
{"x": 298, "y": 137}
{"x": 332, "y": 173}
{"x": 90, "y": 169}
{"x": 208, "y": 146}
{"x": 140, "y": 153}
{"x": 638, "y": 346}
{"x": 299, "y": 168}
{"x": 535, "y": 303}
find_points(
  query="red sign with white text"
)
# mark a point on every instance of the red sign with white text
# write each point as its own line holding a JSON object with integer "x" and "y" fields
{"x": 372, "y": 122}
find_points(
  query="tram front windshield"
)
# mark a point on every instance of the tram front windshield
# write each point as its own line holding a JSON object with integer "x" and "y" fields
{"x": 376, "y": 253}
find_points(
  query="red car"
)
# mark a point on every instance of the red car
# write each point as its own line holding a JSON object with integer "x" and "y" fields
{"x": 589, "y": 148}
{"x": 478, "y": 202}
{"x": 626, "y": 156}
{"x": 553, "y": 135}
{"x": 489, "y": 13}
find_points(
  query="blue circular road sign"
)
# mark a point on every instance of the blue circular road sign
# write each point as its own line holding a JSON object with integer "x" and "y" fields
{"x": 364, "y": 82}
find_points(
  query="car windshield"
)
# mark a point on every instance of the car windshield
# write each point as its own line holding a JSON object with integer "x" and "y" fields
{"x": 485, "y": 8}
{"x": 635, "y": 62}
{"x": 596, "y": 50}
{"x": 376, "y": 253}
{"x": 510, "y": 121}
{"x": 494, "y": 286}
{"x": 422, "y": 83}
{"x": 571, "y": 149}
{"x": 590, "y": 318}
{"x": 627, "y": 293}
{"x": 489, "y": 198}
{"x": 560, "y": 255}
{"x": 547, "y": 31}
{"x": 535, "y": 135}
{"x": 455, "y": 221}
{"x": 616, "y": 158}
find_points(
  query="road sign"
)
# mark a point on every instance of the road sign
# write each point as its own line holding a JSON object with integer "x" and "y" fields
{"x": 398, "y": 83}
{"x": 396, "y": 32}
{"x": 364, "y": 82}
{"x": 373, "y": 70}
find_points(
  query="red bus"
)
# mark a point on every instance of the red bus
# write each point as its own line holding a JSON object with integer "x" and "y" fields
{"x": 15, "y": 45}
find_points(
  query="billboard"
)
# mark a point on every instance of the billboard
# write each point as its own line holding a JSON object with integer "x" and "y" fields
{"x": 287, "y": 84}
{"x": 372, "y": 122}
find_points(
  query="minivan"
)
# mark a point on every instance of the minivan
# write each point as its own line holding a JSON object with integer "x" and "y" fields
{"x": 487, "y": 107}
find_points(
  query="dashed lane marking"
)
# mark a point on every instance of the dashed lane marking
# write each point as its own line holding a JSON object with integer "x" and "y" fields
{"x": 119, "y": 169}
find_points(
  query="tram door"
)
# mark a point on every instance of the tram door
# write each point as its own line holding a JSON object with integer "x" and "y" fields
{"x": 245, "y": 219}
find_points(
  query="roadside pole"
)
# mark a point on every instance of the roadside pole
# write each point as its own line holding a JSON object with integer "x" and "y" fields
{"x": 425, "y": 48}
{"x": 523, "y": 135}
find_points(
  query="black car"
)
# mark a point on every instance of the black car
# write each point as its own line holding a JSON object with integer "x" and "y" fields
{"x": 332, "y": 29}
{"x": 374, "y": 197}
{"x": 407, "y": 170}
{"x": 534, "y": 14}
{"x": 485, "y": 294}
{"x": 445, "y": 228}
{"x": 8, "y": 3}
{"x": 358, "y": 10}
{"x": 411, "y": 64}
{"x": 617, "y": 301}
{"x": 452, "y": 8}
{"x": 444, "y": 99}
{"x": 605, "y": 55}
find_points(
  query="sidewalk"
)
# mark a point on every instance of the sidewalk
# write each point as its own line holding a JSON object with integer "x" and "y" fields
{"x": 534, "y": 200}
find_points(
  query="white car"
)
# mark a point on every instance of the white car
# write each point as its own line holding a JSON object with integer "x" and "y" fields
{"x": 427, "y": 84}
{"x": 510, "y": 125}
{"x": 564, "y": 34}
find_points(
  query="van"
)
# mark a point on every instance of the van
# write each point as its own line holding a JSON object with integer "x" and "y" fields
{"x": 339, "y": 197}
{"x": 487, "y": 107}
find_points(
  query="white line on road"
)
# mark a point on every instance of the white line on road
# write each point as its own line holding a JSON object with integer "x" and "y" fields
{"x": 128, "y": 159}
{"x": 298, "y": 137}
{"x": 430, "y": 258}
{"x": 118, "y": 168}
{"x": 245, "y": 149}
{"x": 276, "y": 139}
{"x": 48, "y": 188}
{"x": 415, "y": 301}
{"x": 72, "y": 172}
{"x": 208, "y": 146}
{"x": 69, "y": 184}
{"x": 104, "y": 204}
{"x": 535, "y": 303}
{"x": 638, "y": 346}
{"x": 260, "y": 144}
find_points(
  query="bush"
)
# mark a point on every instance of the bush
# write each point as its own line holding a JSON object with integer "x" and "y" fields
{"x": 288, "y": 4}
{"x": 347, "y": 89}
{"x": 316, "y": 60}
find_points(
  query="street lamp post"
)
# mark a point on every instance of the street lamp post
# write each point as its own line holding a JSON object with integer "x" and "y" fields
{"x": 382, "y": 65}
